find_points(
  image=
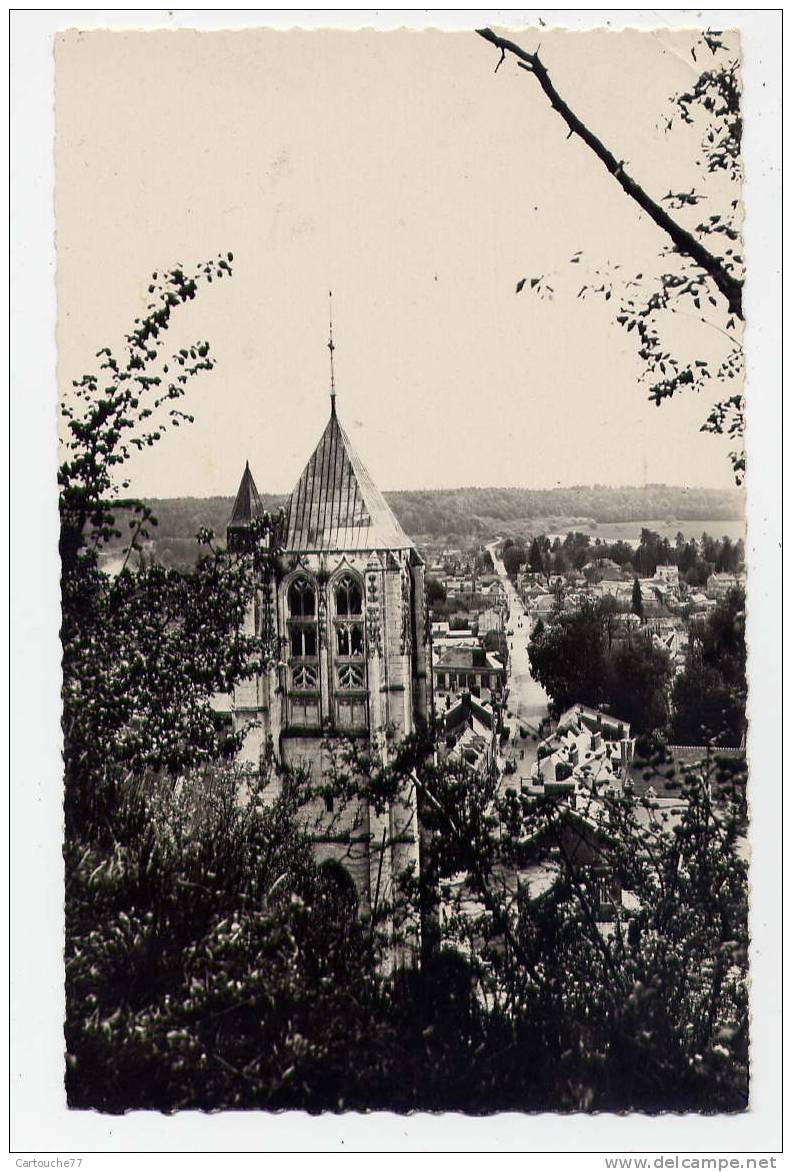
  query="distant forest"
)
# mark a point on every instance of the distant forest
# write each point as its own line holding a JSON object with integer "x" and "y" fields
{"x": 482, "y": 511}
{"x": 460, "y": 513}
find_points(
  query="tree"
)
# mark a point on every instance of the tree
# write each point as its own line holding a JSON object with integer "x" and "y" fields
{"x": 652, "y": 1013}
{"x": 709, "y": 696}
{"x": 560, "y": 563}
{"x": 143, "y": 655}
{"x": 637, "y": 599}
{"x": 135, "y": 393}
{"x": 497, "y": 642}
{"x": 609, "y": 609}
{"x": 558, "y": 596}
{"x": 484, "y": 562}
{"x": 569, "y": 658}
{"x": 535, "y": 559}
{"x": 639, "y": 681}
{"x": 728, "y": 557}
{"x": 160, "y": 855}
{"x": 180, "y": 941}
{"x": 687, "y": 555}
{"x": 577, "y": 548}
{"x": 513, "y": 558}
{"x": 435, "y": 591}
{"x": 144, "y": 652}
{"x": 648, "y": 553}
{"x": 581, "y": 658}
{"x": 701, "y": 266}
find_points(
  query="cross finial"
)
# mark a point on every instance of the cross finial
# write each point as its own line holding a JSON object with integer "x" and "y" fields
{"x": 331, "y": 348}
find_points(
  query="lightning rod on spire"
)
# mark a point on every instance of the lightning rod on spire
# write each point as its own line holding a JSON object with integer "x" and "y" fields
{"x": 331, "y": 348}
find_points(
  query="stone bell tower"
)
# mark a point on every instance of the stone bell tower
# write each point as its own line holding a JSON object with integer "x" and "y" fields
{"x": 348, "y": 610}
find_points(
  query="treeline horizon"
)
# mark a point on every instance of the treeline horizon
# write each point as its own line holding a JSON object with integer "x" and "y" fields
{"x": 473, "y": 511}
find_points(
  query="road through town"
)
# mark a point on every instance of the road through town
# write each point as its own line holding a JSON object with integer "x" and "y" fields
{"x": 527, "y": 698}
{"x": 526, "y": 705}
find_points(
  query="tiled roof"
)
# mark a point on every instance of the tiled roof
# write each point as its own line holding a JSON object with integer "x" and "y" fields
{"x": 336, "y": 505}
{"x": 462, "y": 657}
{"x": 247, "y": 505}
{"x": 545, "y": 602}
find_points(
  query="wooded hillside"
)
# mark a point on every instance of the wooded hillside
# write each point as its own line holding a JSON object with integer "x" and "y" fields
{"x": 484, "y": 511}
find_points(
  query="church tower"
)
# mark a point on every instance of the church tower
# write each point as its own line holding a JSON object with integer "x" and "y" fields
{"x": 349, "y": 612}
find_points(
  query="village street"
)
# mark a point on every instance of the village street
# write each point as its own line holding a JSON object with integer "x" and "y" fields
{"x": 526, "y": 706}
{"x": 527, "y": 701}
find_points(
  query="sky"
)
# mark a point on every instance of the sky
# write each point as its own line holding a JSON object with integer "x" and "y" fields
{"x": 400, "y": 171}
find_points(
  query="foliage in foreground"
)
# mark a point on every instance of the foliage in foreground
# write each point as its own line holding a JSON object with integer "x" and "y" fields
{"x": 210, "y": 963}
{"x": 207, "y": 964}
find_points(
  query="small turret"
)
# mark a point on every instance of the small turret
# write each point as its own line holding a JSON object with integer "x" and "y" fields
{"x": 247, "y": 508}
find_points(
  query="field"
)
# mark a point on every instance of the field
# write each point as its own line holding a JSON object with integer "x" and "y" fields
{"x": 630, "y": 531}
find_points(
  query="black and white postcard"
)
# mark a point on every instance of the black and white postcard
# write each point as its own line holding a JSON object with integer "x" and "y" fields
{"x": 411, "y": 731}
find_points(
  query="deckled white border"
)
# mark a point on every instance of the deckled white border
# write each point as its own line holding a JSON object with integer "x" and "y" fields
{"x": 40, "y": 1122}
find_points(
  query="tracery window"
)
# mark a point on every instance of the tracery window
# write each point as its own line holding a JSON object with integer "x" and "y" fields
{"x": 302, "y": 641}
{"x": 348, "y": 619}
{"x": 305, "y": 677}
{"x": 351, "y": 675}
{"x": 349, "y": 639}
{"x": 349, "y": 597}
{"x": 351, "y": 698}
{"x": 303, "y": 653}
{"x": 302, "y": 599}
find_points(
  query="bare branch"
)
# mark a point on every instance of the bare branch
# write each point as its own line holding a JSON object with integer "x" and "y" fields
{"x": 685, "y": 242}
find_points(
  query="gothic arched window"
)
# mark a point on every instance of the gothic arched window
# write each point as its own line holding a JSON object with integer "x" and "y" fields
{"x": 302, "y": 620}
{"x": 348, "y": 618}
{"x": 303, "y": 653}
{"x": 349, "y": 597}
{"x": 351, "y": 697}
{"x": 302, "y": 599}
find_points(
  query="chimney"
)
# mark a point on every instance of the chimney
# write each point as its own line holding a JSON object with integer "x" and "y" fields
{"x": 596, "y": 740}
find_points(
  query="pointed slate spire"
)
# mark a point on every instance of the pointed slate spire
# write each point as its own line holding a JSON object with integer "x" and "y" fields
{"x": 247, "y": 505}
{"x": 336, "y": 505}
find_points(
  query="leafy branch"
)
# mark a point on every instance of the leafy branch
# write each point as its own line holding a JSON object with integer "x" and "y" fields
{"x": 129, "y": 403}
{"x": 683, "y": 240}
